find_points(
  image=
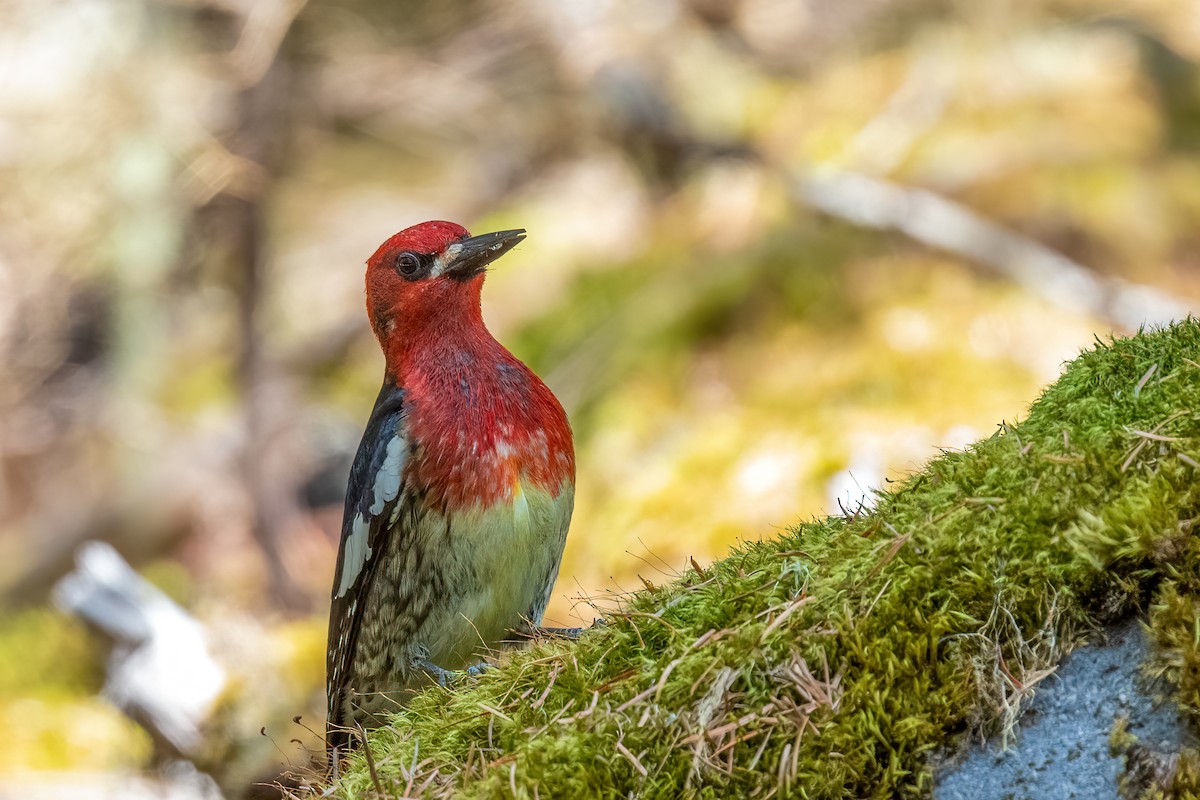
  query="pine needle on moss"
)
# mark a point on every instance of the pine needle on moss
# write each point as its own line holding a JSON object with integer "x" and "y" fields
{"x": 837, "y": 660}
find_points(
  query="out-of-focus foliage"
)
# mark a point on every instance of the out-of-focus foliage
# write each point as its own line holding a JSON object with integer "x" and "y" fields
{"x": 60, "y": 725}
{"x": 189, "y": 189}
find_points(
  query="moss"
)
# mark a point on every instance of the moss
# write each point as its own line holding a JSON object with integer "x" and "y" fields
{"x": 836, "y": 660}
{"x": 47, "y": 655}
{"x": 1150, "y": 774}
{"x": 50, "y": 672}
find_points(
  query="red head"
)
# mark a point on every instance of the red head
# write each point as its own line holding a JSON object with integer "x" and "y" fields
{"x": 428, "y": 278}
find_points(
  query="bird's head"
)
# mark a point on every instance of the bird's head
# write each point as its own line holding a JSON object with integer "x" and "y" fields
{"x": 430, "y": 276}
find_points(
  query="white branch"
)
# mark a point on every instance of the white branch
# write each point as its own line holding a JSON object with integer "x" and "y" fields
{"x": 942, "y": 223}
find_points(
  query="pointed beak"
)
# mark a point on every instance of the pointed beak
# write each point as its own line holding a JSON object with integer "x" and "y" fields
{"x": 470, "y": 257}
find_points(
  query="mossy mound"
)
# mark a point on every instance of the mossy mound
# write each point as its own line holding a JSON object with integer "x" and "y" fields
{"x": 839, "y": 659}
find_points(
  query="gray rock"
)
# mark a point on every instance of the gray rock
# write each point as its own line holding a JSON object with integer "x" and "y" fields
{"x": 1062, "y": 750}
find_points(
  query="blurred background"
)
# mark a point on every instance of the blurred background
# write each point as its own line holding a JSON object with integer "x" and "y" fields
{"x": 780, "y": 252}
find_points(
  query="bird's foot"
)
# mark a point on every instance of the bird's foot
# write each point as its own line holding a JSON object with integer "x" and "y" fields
{"x": 556, "y": 633}
{"x": 447, "y": 677}
{"x": 541, "y": 632}
{"x": 444, "y": 677}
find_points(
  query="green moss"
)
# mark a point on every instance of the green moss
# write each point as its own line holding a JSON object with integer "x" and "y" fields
{"x": 835, "y": 660}
{"x": 47, "y": 655}
{"x": 1150, "y": 774}
{"x": 50, "y": 672}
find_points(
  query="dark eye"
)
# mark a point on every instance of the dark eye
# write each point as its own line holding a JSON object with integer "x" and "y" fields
{"x": 408, "y": 264}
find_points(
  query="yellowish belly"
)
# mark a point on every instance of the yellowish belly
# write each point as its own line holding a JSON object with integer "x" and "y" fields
{"x": 507, "y": 556}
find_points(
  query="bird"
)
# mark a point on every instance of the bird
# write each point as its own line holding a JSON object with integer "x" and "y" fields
{"x": 459, "y": 496}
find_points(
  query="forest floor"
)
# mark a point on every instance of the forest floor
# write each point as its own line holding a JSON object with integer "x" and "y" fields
{"x": 852, "y": 655}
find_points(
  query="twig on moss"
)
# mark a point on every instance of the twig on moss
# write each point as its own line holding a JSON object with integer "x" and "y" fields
{"x": 1158, "y": 437}
{"x": 631, "y": 758}
{"x": 496, "y": 712}
{"x": 370, "y": 760}
{"x": 1137, "y": 390}
{"x": 784, "y": 614}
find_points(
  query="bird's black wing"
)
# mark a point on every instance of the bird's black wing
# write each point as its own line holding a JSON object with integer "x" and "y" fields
{"x": 373, "y": 495}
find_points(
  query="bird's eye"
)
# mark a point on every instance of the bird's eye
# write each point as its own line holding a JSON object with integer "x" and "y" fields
{"x": 408, "y": 264}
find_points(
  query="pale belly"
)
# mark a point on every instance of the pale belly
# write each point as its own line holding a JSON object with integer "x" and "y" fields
{"x": 453, "y": 587}
{"x": 507, "y": 559}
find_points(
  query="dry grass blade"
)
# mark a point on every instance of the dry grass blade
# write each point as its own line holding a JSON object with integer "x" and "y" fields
{"x": 706, "y": 710}
{"x": 799, "y": 602}
{"x": 549, "y": 685}
{"x": 631, "y": 758}
{"x": 892, "y": 550}
{"x": 824, "y": 692}
{"x": 370, "y": 758}
{"x": 1146, "y": 436}
{"x": 637, "y": 698}
{"x": 1137, "y": 390}
{"x": 496, "y": 712}
{"x": 1125, "y": 465}
{"x": 1154, "y": 436}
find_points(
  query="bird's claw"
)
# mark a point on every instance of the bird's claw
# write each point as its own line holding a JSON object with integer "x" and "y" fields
{"x": 541, "y": 632}
{"x": 447, "y": 677}
{"x": 444, "y": 677}
{"x": 557, "y": 633}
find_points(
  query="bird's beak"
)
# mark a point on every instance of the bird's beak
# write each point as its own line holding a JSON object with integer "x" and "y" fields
{"x": 467, "y": 258}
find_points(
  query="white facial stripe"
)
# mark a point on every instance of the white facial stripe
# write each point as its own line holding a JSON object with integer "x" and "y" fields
{"x": 357, "y": 552}
{"x": 446, "y": 259}
{"x": 387, "y": 480}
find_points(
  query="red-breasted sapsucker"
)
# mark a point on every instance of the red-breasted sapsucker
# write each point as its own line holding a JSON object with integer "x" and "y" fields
{"x": 460, "y": 494}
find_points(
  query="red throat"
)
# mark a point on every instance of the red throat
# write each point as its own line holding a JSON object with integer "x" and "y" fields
{"x": 472, "y": 402}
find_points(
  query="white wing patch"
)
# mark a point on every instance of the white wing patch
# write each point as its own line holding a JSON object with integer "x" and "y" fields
{"x": 387, "y": 480}
{"x": 386, "y": 489}
{"x": 358, "y": 550}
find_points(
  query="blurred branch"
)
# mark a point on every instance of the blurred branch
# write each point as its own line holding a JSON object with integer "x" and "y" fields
{"x": 260, "y": 80}
{"x": 939, "y": 222}
{"x": 261, "y": 133}
{"x": 912, "y": 110}
{"x": 258, "y": 46}
{"x": 924, "y": 216}
{"x": 785, "y": 37}
{"x": 159, "y": 670}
